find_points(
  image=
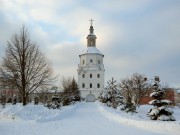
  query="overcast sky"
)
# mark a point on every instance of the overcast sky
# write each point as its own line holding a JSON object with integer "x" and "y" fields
{"x": 140, "y": 36}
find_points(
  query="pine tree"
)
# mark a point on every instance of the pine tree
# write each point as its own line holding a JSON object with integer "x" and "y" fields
{"x": 160, "y": 110}
{"x": 111, "y": 95}
{"x": 75, "y": 90}
{"x": 67, "y": 99}
{"x": 71, "y": 93}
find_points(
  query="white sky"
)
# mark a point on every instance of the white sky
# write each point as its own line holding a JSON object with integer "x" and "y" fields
{"x": 135, "y": 36}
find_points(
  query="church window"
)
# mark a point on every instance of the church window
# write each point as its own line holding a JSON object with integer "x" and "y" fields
{"x": 83, "y": 75}
{"x": 83, "y": 85}
{"x": 90, "y": 85}
{"x": 83, "y": 61}
{"x": 90, "y": 75}
{"x": 91, "y": 60}
{"x": 98, "y": 85}
{"x": 98, "y": 75}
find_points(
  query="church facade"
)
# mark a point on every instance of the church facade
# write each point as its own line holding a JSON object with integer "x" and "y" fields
{"x": 91, "y": 70}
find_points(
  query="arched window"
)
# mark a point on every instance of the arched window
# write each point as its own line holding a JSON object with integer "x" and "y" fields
{"x": 83, "y": 75}
{"x": 98, "y": 75}
{"x": 90, "y": 85}
{"x": 83, "y": 85}
{"x": 91, "y": 60}
{"x": 98, "y": 85}
{"x": 90, "y": 75}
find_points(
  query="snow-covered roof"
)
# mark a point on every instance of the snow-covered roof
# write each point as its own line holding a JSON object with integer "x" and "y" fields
{"x": 90, "y": 50}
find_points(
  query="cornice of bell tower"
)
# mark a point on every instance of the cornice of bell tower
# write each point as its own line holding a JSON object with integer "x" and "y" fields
{"x": 91, "y": 38}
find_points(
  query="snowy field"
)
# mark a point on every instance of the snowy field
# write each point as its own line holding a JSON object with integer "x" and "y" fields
{"x": 82, "y": 119}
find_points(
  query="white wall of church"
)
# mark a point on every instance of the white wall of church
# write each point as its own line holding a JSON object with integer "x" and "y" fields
{"x": 91, "y": 77}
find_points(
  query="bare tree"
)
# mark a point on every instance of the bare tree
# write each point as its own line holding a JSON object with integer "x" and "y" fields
{"x": 133, "y": 89}
{"x": 126, "y": 86}
{"x": 25, "y": 66}
{"x": 139, "y": 87}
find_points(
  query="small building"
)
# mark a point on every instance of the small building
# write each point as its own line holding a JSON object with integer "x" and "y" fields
{"x": 8, "y": 91}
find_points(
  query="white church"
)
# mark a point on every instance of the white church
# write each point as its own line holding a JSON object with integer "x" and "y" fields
{"x": 91, "y": 69}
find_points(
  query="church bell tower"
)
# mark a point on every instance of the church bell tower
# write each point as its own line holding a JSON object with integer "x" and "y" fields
{"x": 91, "y": 69}
{"x": 91, "y": 38}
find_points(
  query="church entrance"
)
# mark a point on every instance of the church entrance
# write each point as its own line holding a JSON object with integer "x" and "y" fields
{"x": 90, "y": 98}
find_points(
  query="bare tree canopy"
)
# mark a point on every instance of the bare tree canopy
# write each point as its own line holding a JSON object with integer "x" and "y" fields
{"x": 134, "y": 88}
{"x": 65, "y": 83}
{"x": 25, "y": 66}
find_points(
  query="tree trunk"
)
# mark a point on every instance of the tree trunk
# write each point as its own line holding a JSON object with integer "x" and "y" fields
{"x": 24, "y": 97}
{"x": 24, "y": 100}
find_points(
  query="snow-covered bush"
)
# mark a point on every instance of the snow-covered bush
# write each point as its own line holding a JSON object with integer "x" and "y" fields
{"x": 128, "y": 107}
{"x": 111, "y": 95}
{"x": 53, "y": 105}
{"x": 56, "y": 103}
{"x": 160, "y": 110}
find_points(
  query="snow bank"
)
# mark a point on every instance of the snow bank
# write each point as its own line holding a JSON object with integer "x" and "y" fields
{"x": 33, "y": 112}
{"x": 133, "y": 120}
{"x": 80, "y": 119}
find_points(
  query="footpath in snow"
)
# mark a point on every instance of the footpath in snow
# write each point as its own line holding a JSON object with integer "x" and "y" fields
{"x": 79, "y": 119}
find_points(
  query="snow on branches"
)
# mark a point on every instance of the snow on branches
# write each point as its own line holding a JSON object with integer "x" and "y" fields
{"x": 160, "y": 110}
{"x": 111, "y": 95}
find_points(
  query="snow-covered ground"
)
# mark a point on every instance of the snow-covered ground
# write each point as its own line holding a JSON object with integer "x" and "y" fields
{"x": 82, "y": 119}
